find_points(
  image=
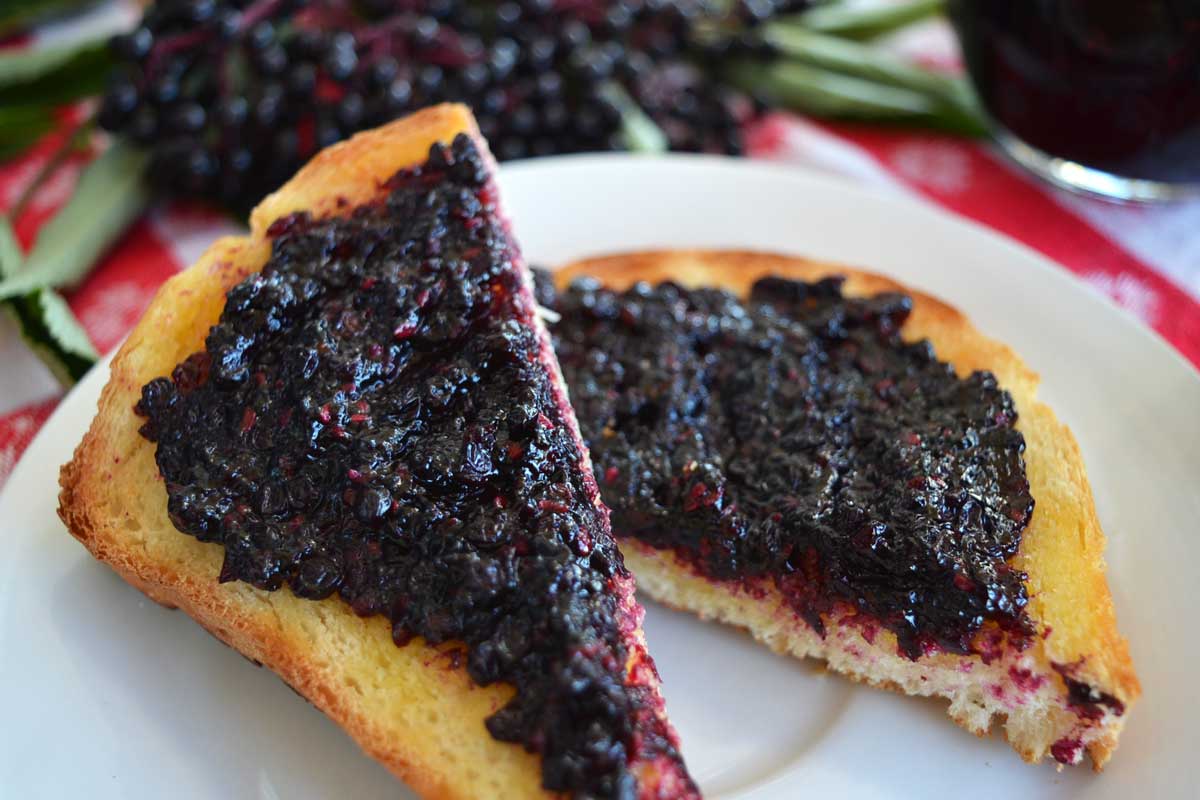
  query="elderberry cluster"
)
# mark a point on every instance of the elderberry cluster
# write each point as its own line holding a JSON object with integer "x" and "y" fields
{"x": 231, "y": 96}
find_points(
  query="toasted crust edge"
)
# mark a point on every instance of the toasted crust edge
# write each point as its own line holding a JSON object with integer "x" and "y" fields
{"x": 1063, "y": 549}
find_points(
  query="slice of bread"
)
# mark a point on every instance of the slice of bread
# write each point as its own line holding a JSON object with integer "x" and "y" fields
{"x": 413, "y": 708}
{"x": 1037, "y": 694}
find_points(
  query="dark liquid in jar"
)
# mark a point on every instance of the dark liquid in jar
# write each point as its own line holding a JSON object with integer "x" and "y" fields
{"x": 1112, "y": 84}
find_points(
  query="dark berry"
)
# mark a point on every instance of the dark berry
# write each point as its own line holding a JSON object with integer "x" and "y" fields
{"x": 539, "y": 54}
{"x": 340, "y": 63}
{"x": 133, "y": 46}
{"x": 302, "y": 80}
{"x": 271, "y": 60}
{"x": 549, "y": 85}
{"x": 618, "y": 19}
{"x": 165, "y": 90}
{"x": 232, "y": 112}
{"x": 399, "y": 95}
{"x": 384, "y": 71}
{"x": 119, "y": 102}
{"x": 327, "y": 133}
{"x": 186, "y": 118}
{"x": 350, "y": 111}
{"x": 510, "y": 148}
{"x": 143, "y": 128}
{"x": 474, "y": 77}
{"x": 200, "y": 11}
{"x": 269, "y": 107}
{"x": 493, "y": 102}
{"x": 323, "y": 70}
{"x": 573, "y": 35}
{"x": 523, "y": 120}
{"x": 261, "y": 35}
{"x": 425, "y": 32}
{"x": 554, "y": 116}
{"x": 507, "y": 16}
{"x": 429, "y": 80}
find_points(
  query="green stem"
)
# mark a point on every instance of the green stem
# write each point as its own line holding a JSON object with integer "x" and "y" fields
{"x": 825, "y": 93}
{"x": 44, "y": 319}
{"x": 640, "y": 132}
{"x": 21, "y": 127}
{"x": 76, "y": 139}
{"x": 110, "y": 195}
{"x": 852, "y": 58}
{"x": 951, "y": 95}
{"x": 822, "y": 92}
{"x": 50, "y": 76}
{"x": 19, "y": 14}
{"x": 868, "y": 22}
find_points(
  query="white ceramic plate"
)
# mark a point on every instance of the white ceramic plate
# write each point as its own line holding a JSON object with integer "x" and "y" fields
{"x": 106, "y": 695}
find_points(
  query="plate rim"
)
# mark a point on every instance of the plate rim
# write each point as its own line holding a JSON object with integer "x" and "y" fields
{"x": 74, "y": 402}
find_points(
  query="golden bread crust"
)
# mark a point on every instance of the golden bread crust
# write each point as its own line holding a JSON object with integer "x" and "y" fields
{"x": 1062, "y": 550}
{"x": 412, "y": 708}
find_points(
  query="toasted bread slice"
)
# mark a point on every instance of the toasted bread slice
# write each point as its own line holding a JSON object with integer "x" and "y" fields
{"x": 412, "y": 707}
{"x": 1041, "y": 695}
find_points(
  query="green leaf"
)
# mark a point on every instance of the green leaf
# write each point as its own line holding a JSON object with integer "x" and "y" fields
{"x": 110, "y": 195}
{"x": 53, "y": 334}
{"x": 10, "y": 249}
{"x": 54, "y": 75}
{"x": 64, "y": 328}
{"x": 23, "y": 65}
{"x": 14, "y": 117}
{"x": 866, "y": 22}
{"x": 640, "y": 133}
{"x": 18, "y": 14}
{"x": 45, "y": 320}
{"x": 21, "y": 128}
{"x": 78, "y": 140}
{"x": 852, "y": 58}
{"x": 952, "y": 102}
{"x": 821, "y": 92}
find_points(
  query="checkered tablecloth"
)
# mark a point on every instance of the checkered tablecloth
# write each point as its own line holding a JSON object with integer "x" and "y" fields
{"x": 1146, "y": 259}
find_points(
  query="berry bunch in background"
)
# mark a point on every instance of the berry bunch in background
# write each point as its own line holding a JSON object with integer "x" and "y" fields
{"x": 222, "y": 100}
{"x": 231, "y": 96}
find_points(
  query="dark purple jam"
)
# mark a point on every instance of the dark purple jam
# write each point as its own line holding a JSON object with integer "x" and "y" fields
{"x": 1084, "y": 700}
{"x": 795, "y": 437}
{"x": 371, "y": 417}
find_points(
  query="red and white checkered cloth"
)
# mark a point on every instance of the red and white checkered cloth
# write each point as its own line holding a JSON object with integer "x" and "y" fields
{"x": 1147, "y": 259}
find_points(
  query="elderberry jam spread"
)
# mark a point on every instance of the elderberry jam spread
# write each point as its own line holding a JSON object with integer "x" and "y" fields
{"x": 372, "y": 416}
{"x": 795, "y": 437}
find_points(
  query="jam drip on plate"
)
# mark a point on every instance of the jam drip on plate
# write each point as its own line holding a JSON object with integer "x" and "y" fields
{"x": 794, "y": 437}
{"x": 371, "y": 418}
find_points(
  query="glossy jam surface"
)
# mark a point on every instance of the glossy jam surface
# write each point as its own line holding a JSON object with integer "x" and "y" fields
{"x": 794, "y": 437}
{"x": 372, "y": 418}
